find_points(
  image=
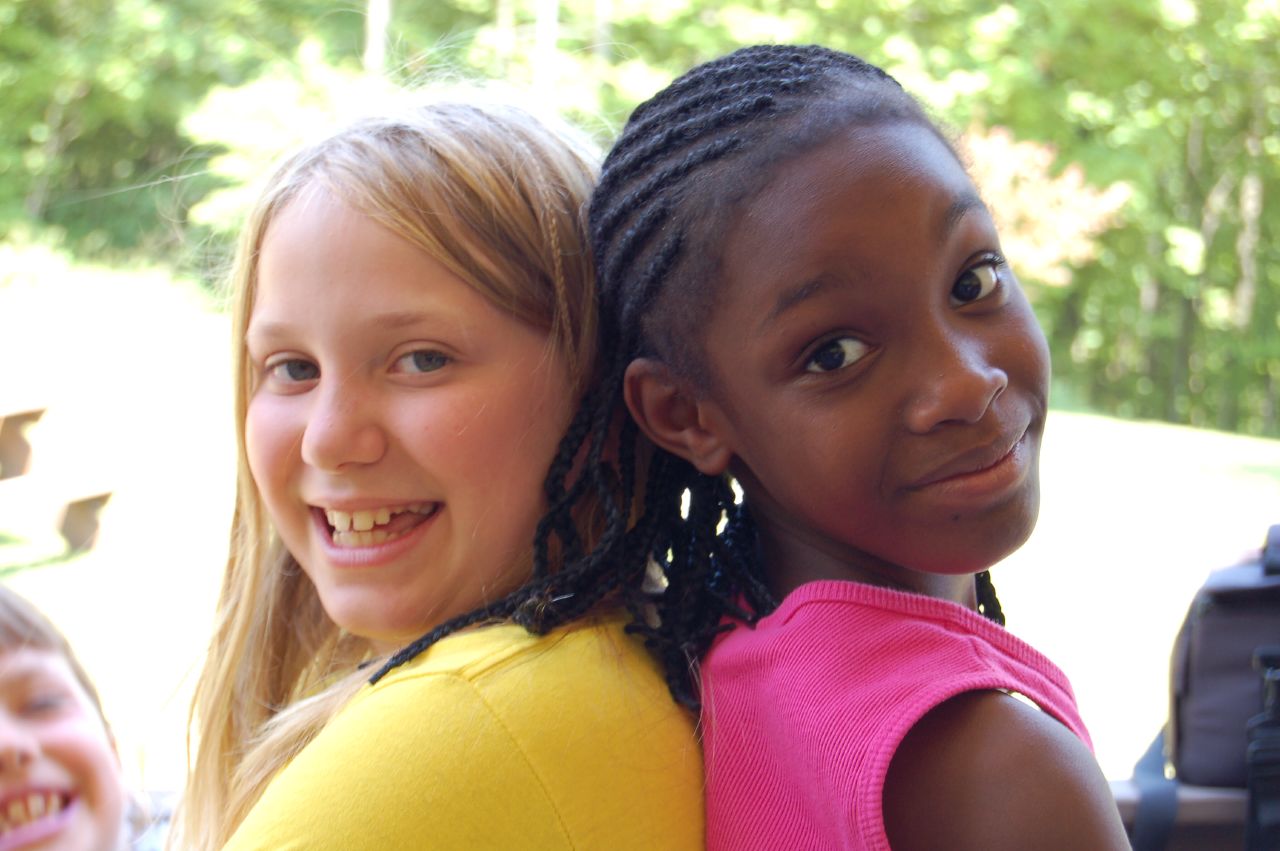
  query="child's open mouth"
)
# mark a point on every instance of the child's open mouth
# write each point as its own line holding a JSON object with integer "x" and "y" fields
{"x": 376, "y": 526}
{"x": 26, "y": 818}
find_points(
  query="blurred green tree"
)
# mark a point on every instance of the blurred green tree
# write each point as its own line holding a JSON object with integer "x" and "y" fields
{"x": 94, "y": 95}
{"x": 1145, "y": 224}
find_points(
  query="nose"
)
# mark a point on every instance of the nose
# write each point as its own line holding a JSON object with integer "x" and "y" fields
{"x": 954, "y": 381}
{"x": 343, "y": 428}
{"x": 18, "y": 748}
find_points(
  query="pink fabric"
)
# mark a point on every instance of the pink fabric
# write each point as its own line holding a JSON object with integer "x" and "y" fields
{"x": 802, "y": 714}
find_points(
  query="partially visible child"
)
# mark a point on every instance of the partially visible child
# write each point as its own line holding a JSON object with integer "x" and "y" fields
{"x": 394, "y": 667}
{"x": 805, "y": 293}
{"x": 61, "y": 784}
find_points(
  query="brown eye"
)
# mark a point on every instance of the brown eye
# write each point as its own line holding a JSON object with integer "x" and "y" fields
{"x": 836, "y": 354}
{"x": 976, "y": 283}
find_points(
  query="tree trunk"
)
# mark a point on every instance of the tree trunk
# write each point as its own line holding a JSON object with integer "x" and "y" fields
{"x": 1270, "y": 414}
{"x": 1180, "y": 365}
{"x": 1247, "y": 243}
{"x": 60, "y": 132}
{"x": 376, "y": 23}
{"x": 600, "y": 46}
{"x": 546, "y": 34}
{"x": 504, "y": 20}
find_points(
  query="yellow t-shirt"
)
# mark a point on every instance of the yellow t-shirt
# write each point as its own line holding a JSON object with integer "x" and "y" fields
{"x": 496, "y": 738}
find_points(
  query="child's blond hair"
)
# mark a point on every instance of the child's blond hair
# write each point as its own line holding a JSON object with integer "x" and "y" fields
{"x": 22, "y": 626}
{"x": 495, "y": 195}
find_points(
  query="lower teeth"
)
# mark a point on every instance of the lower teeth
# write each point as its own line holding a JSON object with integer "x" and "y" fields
{"x": 361, "y": 539}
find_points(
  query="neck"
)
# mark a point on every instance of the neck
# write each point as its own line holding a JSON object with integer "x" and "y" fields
{"x": 793, "y": 556}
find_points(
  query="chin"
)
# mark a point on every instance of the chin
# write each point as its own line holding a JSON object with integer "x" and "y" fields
{"x": 1017, "y": 533}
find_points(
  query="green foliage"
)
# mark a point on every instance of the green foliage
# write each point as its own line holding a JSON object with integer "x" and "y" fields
{"x": 95, "y": 91}
{"x": 290, "y": 103}
{"x": 133, "y": 126}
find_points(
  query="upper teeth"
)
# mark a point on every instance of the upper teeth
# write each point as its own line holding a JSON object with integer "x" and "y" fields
{"x": 26, "y": 809}
{"x": 363, "y": 521}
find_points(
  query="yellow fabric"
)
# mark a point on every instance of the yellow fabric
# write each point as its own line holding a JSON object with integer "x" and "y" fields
{"x": 497, "y": 739}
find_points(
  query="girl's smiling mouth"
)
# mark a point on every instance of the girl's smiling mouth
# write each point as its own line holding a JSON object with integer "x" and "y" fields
{"x": 391, "y": 531}
{"x": 33, "y": 816}
{"x": 370, "y": 527}
{"x": 986, "y": 471}
{"x": 367, "y": 527}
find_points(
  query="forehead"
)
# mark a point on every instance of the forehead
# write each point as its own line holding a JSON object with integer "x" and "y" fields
{"x": 323, "y": 260}
{"x": 24, "y": 663}
{"x": 864, "y": 194}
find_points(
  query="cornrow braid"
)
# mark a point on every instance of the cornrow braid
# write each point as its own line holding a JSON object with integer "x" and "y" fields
{"x": 666, "y": 196}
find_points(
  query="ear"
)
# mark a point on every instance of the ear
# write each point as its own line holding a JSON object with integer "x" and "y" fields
{"x": 673, "y": 417}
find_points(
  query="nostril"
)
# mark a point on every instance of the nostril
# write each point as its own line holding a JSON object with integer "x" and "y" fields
{"x": 962, "y": 395}
{"x": 14, "y": 757}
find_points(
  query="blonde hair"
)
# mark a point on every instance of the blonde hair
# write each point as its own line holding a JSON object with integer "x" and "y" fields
{"x": 497, "y": 196}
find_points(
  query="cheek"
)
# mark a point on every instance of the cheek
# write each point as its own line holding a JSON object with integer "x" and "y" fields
{"x": 1030, "y": 350}
{"x": 83, "y": 750}
{"x": 269, "y": 443}
{"x": 1042, "y": 350}
{"x": 515, "y": 445}
{"x": 1032, "y": 359}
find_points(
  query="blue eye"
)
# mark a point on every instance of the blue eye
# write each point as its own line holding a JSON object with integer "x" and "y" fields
{"x": 294, "y": 370}
{"x": 423, "y": 360}
{"x": 836, "y": 354}
{"x": 977, "y": 283}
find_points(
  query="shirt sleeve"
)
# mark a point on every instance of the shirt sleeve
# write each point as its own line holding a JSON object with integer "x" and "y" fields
{"x": 422, "y": 764}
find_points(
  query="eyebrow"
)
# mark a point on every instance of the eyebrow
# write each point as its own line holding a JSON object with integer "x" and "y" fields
{"x": 792, "y": 297}
{"x": 957, "y": 210}
{"x": 26, "y": 671}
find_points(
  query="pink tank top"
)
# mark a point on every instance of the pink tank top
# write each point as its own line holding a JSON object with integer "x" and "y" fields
{"x": 802, "y": 714}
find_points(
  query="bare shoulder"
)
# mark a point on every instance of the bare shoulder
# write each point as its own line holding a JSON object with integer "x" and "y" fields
{"x": 990, "y": 772}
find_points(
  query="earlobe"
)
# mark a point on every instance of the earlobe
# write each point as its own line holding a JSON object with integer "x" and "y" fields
{"x": 671, "y": 416}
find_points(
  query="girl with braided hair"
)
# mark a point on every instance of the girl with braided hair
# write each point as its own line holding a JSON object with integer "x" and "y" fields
{"x": 802, "y": 293}
{"x": 414, "y": 325}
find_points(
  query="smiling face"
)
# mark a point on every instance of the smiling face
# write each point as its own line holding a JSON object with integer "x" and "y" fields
{"x": 879, "y": 380}
{"x": 400, "y": 424}
{"x": 61, "y": 787}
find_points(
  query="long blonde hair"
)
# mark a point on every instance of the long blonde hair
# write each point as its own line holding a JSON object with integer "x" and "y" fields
{"x": 497, "y": 196}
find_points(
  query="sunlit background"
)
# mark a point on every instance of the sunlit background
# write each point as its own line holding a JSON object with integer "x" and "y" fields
{"x": 1129, "y": 151}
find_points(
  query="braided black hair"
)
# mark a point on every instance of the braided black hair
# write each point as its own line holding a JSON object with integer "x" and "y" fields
{"x": 685, "y": 162}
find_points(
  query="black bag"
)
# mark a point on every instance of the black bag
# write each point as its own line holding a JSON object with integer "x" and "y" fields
{"x": 1263, "y": 827}
{"x": 1214, "y": 688}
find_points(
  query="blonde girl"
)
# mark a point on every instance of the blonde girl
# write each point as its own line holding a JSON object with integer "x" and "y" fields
{"x": 414, "y": 323}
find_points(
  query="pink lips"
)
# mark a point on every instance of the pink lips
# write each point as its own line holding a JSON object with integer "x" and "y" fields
{"x": 374, "y": 555}
{"x": 41, "y": 829}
